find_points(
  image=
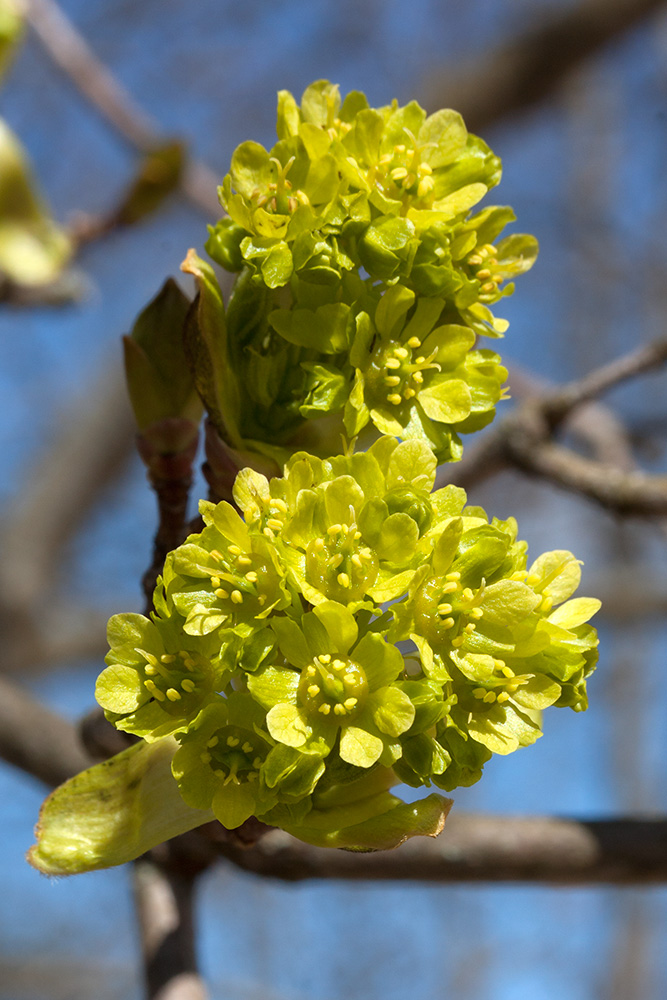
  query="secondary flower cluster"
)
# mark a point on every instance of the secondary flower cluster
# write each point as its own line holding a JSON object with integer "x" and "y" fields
{"x": 353, "y": 628}
{"x": 364, "y": 280}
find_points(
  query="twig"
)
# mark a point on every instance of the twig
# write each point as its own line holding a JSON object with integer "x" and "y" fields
{"x": 72, "y": 54}
{"x": 37, "y": 740}
{"x": 164, "y": 901}
{"x": 527, "y": 70}
{"x": 476, "y": 848}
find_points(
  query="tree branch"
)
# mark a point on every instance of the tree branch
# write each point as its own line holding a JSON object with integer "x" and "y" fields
{"x": 477, "y": 848}
{"x": 530, "y": 68}
{"x": 72, "y": 54}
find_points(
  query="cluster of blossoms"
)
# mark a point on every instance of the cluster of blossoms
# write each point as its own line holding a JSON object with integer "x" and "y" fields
{"x": 352, "y": 629}
{"x": 364, "y": 280}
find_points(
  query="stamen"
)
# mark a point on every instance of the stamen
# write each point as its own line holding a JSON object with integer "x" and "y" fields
{"x": 392, "y": 363}
{"x": 274, "y": 523}
{"x": 233, "y": 741}
{"x": 356, "y": 561}
{"x": 392, "y": 380}
{"x": 479, "y": 693}
{"x": 401, "y": 352}
{"x": 324, "y": 657}
{"x": 251, "y": 577}
{"x": 313, "y": 690}
{"x": 188, "y": 686}
{"x": 167, "y": 657}
{"x": 455, "y": 575}
{"x": 324, "y": 709}
{"x": 154, "y": 690}
{"x": 244, "y": 560}
{"x": 205, "y": 758}
{"x": 503, "y": 697}
{"x": 222, "y": 594}
{"x": 350, "y": 703}
{"x": 237, "y": 597}
{"x": 414, "y": 342}
{"x": 334, "y": 529}
{"x": 257, "y": 762}
{"x": 476, "y": 613}
{"x": 343, "y": 579}
{"x": 247, "y": 747}
{"x": 450, "y": 587}
{"x": 456, "y": 643}
{"x": 340, "y": 709}
{"x": 490, "y": 697}
{"x": 213, "y": 742}
{"x": 394, "y": 398}
{"x": 235, "y": 550}
{"x": 444, "y": 609}
{"x": 448, "y": 623}
{"x": 173, "y": 694}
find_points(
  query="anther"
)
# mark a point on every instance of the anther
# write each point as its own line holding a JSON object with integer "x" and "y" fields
{"x": 398, "y": 173}
{"x": 338, "y": 665}
{"x": 420, "y": 360}
{"x": 205, "y": 758}
{"x": 222, "y": 594}
{"x": 454, "y": 575}
{"x": 394, "y": 398}
{"x": 154, "y": 690}
{"x": 167, "y": 657}
{"x": 340, "y": 709}
{"x": 488, "y": 287}
{"x": 343, "y": 579}
{"x": 237, "y": 597}
{"x": 490, "y": 697}
{"x": 244, "y": 560}
{"x": 450, "y": 587}
{"x": 409, "y": 393}
{"x": 268, "y": 533}
{"x": 414, "y": 343}
{"x": 474, "y": 259}
{"x": 188, "y": 686}
{"x": 257, "y": 762}
{"x": 334, "y": 529}
{"x": 503, "y": 697}
{"x": 215, "y": 554}
{"x": 392, "y": 380}
{"x": 325, "y": 708}
{"x": 456, "y": 643}
{"x": 350, "y": 703}
{"x": 313, "y": 690}
{"x": 251, "y": 577}
{"x": 448, "y": 623}
{"x": 392, "y": 363}
{"x": 350, "y": 680}
{"x": 233, "y": 741}
{"x": 444, "y": 609}
{"x": 279, "y": 504}
{"x": 356, "y": 561}
{"x": 470, "y": 628}
{"x": 508, "y": 672}
{"x": 213, "y": 742}
{"x": 173, "y": 694}
{"x": 401, "y": 352}
{"x": 476, "y": 613}
{"x": 324, "y": 657}
{"x": 150, "y": 671}
{"x": 484, "y": 273}
{"x": 235, "y": 550}
{"x": 467, "y": 594}
{"x": 417, "y": 377}
{"x": 247, "y": 747}
{"x": 479, "y": 693}
{"x": 275, "y": 524}
{"x": 356, "y": 536}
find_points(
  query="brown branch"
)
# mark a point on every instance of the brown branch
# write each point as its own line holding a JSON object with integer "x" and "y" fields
{"x": 72, "y": 54}
{"x": 86, "y": 453}
{"x": 476, "y": 848}
{"x": 164, "y": 902}
{"x": 37, "y": 740}
{"x": 523, "y": 441}
{"x": 530, "y": 68}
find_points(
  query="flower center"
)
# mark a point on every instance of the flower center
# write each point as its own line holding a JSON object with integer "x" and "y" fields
{"x": 240, "y": 581}
{"x": 396, "y": 372}
{"x": 178, "y": 681}
{"x": 339, "y": 566}
{"x": 445, "y": 612}
{"x": 402, "y": 172}
{"x": 333, "y": 687}
{"x": 235, "y": 754}
{"x": 483, "y": 263}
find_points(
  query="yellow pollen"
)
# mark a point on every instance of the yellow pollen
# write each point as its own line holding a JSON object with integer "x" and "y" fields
{"x": 233, "y": 741}
{"x": 247, "y": 747}
{"x": 476, "y": 613}
{"x": 205, "y": 758}
{"x": 251, "y": 577}
{"x": 324, "y": 709}
{"x": 173, "y": 694}
{"x": 448, "y": 623}
{"x": 392, "y": 380}
{"x": 213, "y": 742}
{"x": 455, "y": 575}
{"x": 167, "y": 657}
{"x": 154, "y": 690}
{"x": 357, "y": 536}
{"x": 274, "y": 524}
{"x": 338, "y": 665}
{"x": 399, "y": 149}
{"x": 401, "y": 352}
{"x": 356, "y": 561}
{"x": 490, "y": 697}
{"x": 334, "y": 529}
{"x": 393, "y": 363}
{"x": 467, "y": 594}
{"x": 313, "y": 690}
{"x": 235, "y": 550}
{"x": 340, "y": 709}
{"x": 458, "y": 641}
{"x": 324, "y": 657}
{"x": 237, "y": 597}
{"x": 414, "y": 343}
{"x": 507, "y": 671}
{"x": 394, "y": 398}
{"x": 188, "y": 686}
{"x": 409, "y": 393}
{"x": 503, "y": 697}
{"x": 150, "y": 671}
{"x": 345, "y": 528}
{"x": 417, "y": 377}
{"x": 479, "y": 693}
{"x": 444, "y": 609}
{"x": 243, "y": 561}
{"x": 222, "y": 594}
{"x": 311, "y": 671}
{"x": 350, "y": 703}
{"x": 420, "y": 360}
{"x": 343, "y": 579}
{"x": 470, "y": 628}
{"x": 349, "y": 679}
{"x": 450, "y": 587}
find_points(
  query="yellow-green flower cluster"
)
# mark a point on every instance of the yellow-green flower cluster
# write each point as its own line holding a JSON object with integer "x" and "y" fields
{"x": 348, "y": 629}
